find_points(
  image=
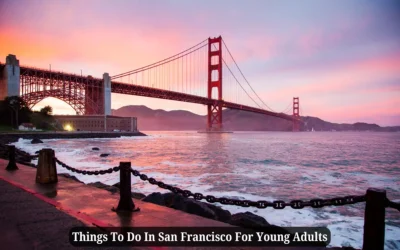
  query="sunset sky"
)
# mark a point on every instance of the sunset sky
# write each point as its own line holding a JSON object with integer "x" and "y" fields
{"x": 342, "y": 58}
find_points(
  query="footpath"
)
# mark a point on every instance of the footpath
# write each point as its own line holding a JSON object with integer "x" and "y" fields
{"x": 37, "y": 216}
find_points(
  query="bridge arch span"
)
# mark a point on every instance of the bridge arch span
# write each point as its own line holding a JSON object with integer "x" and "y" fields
{"x": 78, "y": 101}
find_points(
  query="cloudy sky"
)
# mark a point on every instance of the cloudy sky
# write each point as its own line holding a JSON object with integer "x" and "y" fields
{"x": 342, "y": 58}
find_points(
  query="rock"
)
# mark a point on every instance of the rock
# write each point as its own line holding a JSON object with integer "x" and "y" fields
{"x": 104, "y": 155}
{"x": 138, "y": 195}
{"x": 70, "y": 177}
{"x": 253, "y": 221}
{"x": 245, "y": 220}
{"x": 248, "y": 220}
{"x": 155, "y": 198}
{"x": 98, "y": 184}
{"x": 104, "y": 186}
{"x": 135, "y": 195}
{"x": 36, "y": 141}
{"x": 95, "y": 148}
{"x": 175, "y": 201}
{"x": 222, "y": 214}
{"x": 199, "y": 208}
{"x": 112, "y": 189}
{"x": 187, "y": 205}
{"x": 37, "y": 152}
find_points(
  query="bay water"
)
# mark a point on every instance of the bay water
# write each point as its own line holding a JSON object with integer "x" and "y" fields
{"x": 256, "y": 166}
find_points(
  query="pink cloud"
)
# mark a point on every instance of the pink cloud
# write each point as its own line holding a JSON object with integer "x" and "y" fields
{"x": 353, "y": 75}
{"x": 357, "y": 112}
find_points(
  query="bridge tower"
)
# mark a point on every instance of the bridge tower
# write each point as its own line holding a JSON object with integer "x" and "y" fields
{"x": 214, "y": 111}
{"x": 9, "y": 80}
{"x": 98, "y": 97}
{"x": 296, "y": 114}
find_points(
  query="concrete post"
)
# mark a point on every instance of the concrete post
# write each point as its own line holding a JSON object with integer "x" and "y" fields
{"x": 125, "y": 200}
{"x": 107, "y": 93}
{"x": 12, "y": 165}
{"x": 9, "y": 84}
{"x": 374, "y": 220}
{"x": 46, "y": 169}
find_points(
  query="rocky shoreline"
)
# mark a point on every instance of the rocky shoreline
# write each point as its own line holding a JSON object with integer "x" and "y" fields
{"x": 6, "y": 138}
{"x": 207, "y": 210}
{"x": 176, "y": 201}
{"x": 246, "y": 220}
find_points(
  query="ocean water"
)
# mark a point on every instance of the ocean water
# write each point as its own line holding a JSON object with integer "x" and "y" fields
{"x": 257, "y": 166}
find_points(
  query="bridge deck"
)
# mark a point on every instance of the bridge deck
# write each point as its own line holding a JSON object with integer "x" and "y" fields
{"x": 133, "y": 89}
{"x": 88, "y": 204}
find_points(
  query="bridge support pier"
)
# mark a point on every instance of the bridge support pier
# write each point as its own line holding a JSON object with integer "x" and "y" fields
{"x": 9, "y": 82}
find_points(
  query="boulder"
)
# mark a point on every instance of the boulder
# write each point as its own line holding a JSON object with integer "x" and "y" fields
{"x": 221, "y": 214}
{"x": 134, "y": 194}
{"x": 95, "y": 148}
{"x": 248, "y": 220}
{"x": 36, "y": 141}
{"x": 98, "y": 184}
{"x": 112, "y": 189}
{"x": 188, "y": 205}
{"x": 37, "y": 152}
{"x": 253, "y": 221}
{"x": 70, "y": 177}
{"x": 138, "y": 196}
{"x": 156, "y": 198}
{"x": 104, "y": 155}
{"x": 245, "y": 220}
{"x": 104, "y": 186}
{"x": 175, "y": 201}
{"x": 199, "y": 208}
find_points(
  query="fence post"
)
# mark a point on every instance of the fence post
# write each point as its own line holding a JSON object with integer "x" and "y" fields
{"x": 374, "y": 221}
{"x": 12, "y": 165}
{"x": 125, "y": 199}
{"x": 46, "y": 169}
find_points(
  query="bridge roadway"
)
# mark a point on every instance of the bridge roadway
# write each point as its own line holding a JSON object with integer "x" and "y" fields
{"x": 132, "y": 89}
{"x": 34, "y": 216}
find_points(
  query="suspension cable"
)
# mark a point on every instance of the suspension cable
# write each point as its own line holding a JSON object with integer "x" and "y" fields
{"x": 156, "y": 64}
{"x": 144, "y": 67}
{"x": 245, "y": 77}
{"x": 238, "y": 81}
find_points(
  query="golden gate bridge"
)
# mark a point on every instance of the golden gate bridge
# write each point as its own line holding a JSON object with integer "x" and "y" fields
{"x": 206, "y": 74}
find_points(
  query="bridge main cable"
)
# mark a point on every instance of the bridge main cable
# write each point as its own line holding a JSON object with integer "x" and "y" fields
{"x": 223, "y": 60}
{"x": 245, "y": 77}
{"x": 159, "y": 62}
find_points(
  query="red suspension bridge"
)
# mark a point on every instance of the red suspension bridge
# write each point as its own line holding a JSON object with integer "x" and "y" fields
{"x": 206, "y": 73}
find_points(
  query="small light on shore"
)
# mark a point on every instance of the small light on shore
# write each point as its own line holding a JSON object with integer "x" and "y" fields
{"x": 68, "y": 127}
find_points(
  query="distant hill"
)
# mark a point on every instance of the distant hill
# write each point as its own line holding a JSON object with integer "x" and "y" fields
{"x": 235, "y": 120}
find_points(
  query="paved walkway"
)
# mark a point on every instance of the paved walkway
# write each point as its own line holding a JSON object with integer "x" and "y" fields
{"x": 27, "y": 222}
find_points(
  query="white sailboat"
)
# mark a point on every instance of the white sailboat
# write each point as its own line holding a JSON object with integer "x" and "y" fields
{"x": 312, "y": 129}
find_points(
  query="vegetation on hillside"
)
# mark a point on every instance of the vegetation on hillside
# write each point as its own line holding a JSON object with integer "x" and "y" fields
{"x": 14, "y": 111}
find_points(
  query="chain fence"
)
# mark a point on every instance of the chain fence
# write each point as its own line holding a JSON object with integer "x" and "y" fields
{"x": 278, "y": 204}
{"x": 86, "y": 172}
{"x": 392, "y": 204}
{"x": 25, "y": 154}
